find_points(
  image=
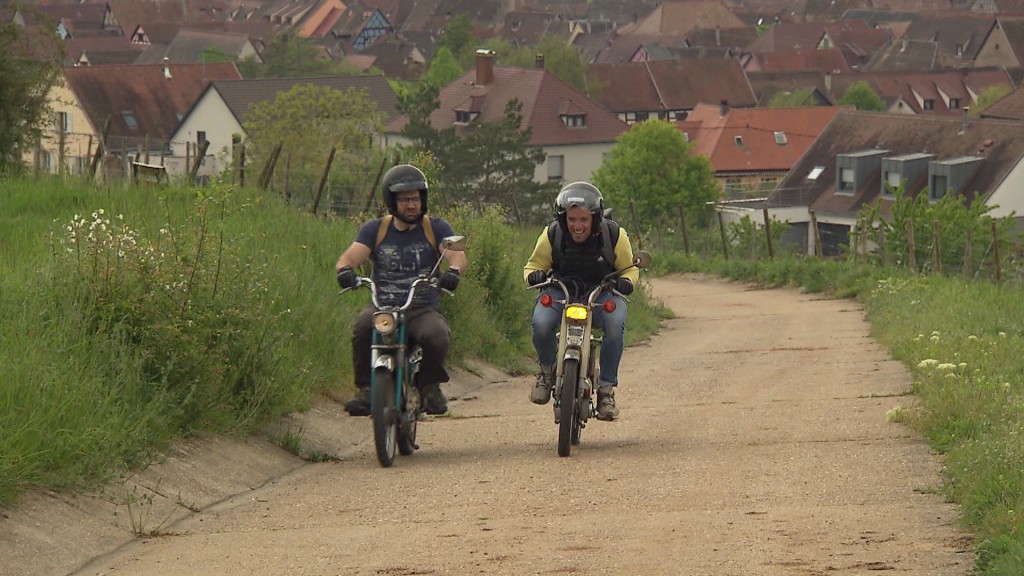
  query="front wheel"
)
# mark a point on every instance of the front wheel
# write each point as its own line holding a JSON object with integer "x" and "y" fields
{"x": 568, "y": 422}
{"x": 385, "y": 417}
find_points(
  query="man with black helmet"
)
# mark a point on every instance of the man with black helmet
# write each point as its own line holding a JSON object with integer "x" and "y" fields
{"x": 583, "y": 246}
{"x": 403, "y": 247}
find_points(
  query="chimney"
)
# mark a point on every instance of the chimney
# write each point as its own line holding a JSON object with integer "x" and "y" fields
{"x": 963, "y": 126}
{"x": 718, "y": 35}
{"x": 828, "y": 82}
{"x": 167, "y": 68}
{"x": 723, "y": 108}
{"x": 538, "y": 61}
{"x": 484, "y": 67}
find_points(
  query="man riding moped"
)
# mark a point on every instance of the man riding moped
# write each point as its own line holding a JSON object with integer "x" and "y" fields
{"x": 582, "y": 248}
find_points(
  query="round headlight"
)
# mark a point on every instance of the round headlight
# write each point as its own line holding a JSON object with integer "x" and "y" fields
{"x": 384, "y": 322}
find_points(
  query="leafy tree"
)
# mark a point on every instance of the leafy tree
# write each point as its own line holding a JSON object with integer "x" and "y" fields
{"x": 493, "y": 164}
{"x": 862, "y": 97}
{"x": 289, "y": 56}
{"x": 653, "y": 170}
{"x": 796, "y": 99}
{"x": 417, "y": 104}
{"x": 444, "y": 68}
{"x": 29, "y": 68}
{"x": 308, "y": 121}
{"x": 560, "y": 59}
{"x": 456, "y": 36}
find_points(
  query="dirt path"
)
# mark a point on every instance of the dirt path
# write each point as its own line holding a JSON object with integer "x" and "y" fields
{"x": 753, "y": 441}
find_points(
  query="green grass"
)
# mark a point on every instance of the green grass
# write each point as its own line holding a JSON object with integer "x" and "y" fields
{"x": 133, "y": 317}
{"x": 964, "y": 343}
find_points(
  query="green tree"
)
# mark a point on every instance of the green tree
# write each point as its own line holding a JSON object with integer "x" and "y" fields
{"x": 796, "y": 99}
{"x": 444, "y": 68}
{"x": 29, "y": 68}
{"x": 862, "y": 97}
{"x": 653, "y": 170}
{"x": 560, "y": 59}
{"x": 456, "y": 36}
{"x": 308, "y": 121}
{"x": 289, "y": 56}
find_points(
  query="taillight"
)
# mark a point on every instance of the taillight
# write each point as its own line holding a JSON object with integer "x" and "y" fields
{"x": 609, "y": 306}
{"x": 546, "y": 300}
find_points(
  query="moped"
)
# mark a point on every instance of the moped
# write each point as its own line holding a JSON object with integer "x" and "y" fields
{"x": 578, "y": 367}
{"x": 395, "y": 406}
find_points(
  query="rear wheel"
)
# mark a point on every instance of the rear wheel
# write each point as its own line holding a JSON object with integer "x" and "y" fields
{"x": 568, "y": 422}
{"x": 385, "y": 417}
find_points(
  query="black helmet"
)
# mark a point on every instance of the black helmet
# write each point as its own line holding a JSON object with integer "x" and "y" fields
{"x": 584, "y": 195}
{"x": 403, "y": 178}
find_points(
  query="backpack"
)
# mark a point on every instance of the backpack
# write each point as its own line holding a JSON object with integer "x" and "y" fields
{"x": 609, "y": 235}
{"x": 385, "y": 222}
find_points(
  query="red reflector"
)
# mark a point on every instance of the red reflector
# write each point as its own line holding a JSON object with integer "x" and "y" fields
{"x": 609, "y": 306}
{"x": 546, "y": 300}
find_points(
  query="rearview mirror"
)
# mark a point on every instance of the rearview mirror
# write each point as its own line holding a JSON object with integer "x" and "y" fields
{"x": 453, "y": 243}
{"x": 642, "y": 259}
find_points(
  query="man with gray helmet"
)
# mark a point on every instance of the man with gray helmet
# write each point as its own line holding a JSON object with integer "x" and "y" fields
{"x": 403, "y": 247}
{"x": 584, "y": 246}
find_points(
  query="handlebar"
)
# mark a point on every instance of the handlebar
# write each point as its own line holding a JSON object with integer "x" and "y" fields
{"x": 432, "y": 281}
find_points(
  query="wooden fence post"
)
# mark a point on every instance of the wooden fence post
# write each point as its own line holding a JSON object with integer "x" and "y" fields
{"x": 936, "y": 249}
{"x": 911, "y": 248}
{"x": 816, "y": 235}
{"x": 995, "y": 253}
{"x": 686, "y": 234}
{"x": 323, "y": 179}
{"x": 768, "y": 233}
{"x": 969, "y": 253}
{"x": 721, "y": 233}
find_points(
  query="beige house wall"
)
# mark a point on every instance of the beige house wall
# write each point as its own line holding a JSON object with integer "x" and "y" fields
{"x": 79, "y": 141}
{"x": 996, "y": 51}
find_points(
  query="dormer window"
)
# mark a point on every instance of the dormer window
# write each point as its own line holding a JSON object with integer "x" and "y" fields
{"x": 928, "y": 105}
{"x": 465, "y": 116}
{"x": 780, "y": 138}
{"x": 574, "y": 120}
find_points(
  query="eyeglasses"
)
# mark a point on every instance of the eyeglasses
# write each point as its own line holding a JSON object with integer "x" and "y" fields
{"x": 409, "y": 200}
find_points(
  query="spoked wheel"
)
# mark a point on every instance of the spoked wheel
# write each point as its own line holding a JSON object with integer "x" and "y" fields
{"x": 385, "y": 417}
{"x": 568, "y": 421}
{"x": 407, "y": 426}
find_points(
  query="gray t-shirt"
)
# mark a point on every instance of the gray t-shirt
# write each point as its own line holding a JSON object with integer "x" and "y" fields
{"x": 401, "y": 258}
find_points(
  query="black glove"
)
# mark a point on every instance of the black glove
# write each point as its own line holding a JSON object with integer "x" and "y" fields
{"x": 536, "y": 277}
{"x": 449, "y": 280}
{"x": 624, "y": 286}
{"x": 347, "y": 277}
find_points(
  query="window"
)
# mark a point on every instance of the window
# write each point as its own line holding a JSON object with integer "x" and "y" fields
{"x": 200, "y": 137}
{"x": 893, "y": 180}
{"x": 939, "y": 188}
{"x": 846, "y": 180}
{"x": 62, "y": 122}
{"x": 813, "y": 175}
{"x": 574, "y": 120}
{"x": 954, "y": 103}
{"x": 129, "y": 119}
{"x": 928, "y": 105}
{"x": 465, "y": 116}
{"x": 556, "y": 167}
{"x": 780, "y": 138}
{"x": 738, "y": 140}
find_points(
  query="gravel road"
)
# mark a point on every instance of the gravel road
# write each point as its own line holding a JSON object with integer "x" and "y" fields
{"x": 753, "y": 440}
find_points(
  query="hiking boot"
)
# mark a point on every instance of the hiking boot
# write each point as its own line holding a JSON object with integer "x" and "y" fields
{"x": 606, "y": 408}
{"x": 541, "y": 391}
{"x": 359, "y": 405}
{"x": 433, "y": 400}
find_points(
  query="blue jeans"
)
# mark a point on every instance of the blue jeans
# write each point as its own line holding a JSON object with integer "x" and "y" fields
{"x": 546, "y": 322}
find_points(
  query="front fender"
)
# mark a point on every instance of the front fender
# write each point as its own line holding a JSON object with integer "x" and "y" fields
{"x": 385, "y": 361}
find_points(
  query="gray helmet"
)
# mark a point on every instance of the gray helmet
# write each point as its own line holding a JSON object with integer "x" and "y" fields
{"x": 403, "y": 178}
{"x": 582, "y": 194}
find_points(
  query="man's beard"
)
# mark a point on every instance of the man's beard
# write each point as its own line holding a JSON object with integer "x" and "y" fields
{"x": 410, "y": 219}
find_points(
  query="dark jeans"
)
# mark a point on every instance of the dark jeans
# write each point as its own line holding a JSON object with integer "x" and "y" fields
{"x": 424, "y": 326}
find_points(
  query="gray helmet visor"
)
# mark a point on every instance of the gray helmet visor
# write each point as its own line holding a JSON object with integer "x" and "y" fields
{"x": 407, "y": 186}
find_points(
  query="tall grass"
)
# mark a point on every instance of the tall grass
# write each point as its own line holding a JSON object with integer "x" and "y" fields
{"x": 964, "y": 343}
{"x": 131, "y": 317}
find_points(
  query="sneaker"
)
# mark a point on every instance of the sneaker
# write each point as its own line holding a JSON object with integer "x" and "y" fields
{"x": 359, "y": 405}
{"x": 541, "y": 391}
{"x": 433, "y": 400}
{"x": 606, "y": 408}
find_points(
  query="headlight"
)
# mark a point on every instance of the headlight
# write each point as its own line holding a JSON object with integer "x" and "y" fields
{"x": 577, "y": 312}
{"x": 384, "y": 322}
